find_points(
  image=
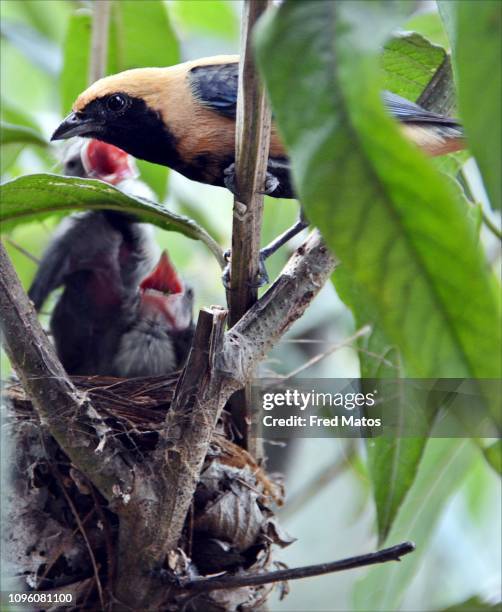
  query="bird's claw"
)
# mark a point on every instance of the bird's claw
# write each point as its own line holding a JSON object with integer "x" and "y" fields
{"x": 271, "y": 184}
{"x": 262, "y": 277}
{"x": 271, "y": 181}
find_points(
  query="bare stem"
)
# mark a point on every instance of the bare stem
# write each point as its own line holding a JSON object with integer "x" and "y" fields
{"x": 252, "y": 141}
{"x": 99, "y": 39}
{"x": 394, "y": 553}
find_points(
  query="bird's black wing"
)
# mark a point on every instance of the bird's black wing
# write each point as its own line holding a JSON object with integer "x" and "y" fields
{"x": 409, "y": 112}
{"x": 215, "y": 87}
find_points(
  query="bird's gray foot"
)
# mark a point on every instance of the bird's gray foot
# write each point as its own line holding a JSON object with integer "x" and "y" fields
{"x": 272, "y": 183}
{"x": 261, "y": 278}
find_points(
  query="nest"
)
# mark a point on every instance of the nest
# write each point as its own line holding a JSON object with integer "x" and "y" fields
{"x": 61, "y": 536}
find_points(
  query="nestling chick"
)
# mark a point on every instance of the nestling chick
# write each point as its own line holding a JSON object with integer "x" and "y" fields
{"x": 123, "y": 311}
{"x": 184, "y": 117}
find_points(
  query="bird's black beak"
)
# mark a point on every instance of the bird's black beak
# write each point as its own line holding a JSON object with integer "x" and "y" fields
{"x": 76, "y": 124}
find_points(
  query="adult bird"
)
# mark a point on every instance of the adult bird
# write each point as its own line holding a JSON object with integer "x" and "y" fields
{"x": 183, "y": 116}
{"x": 123, "y": 311}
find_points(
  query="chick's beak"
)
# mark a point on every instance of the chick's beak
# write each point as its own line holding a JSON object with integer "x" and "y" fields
{"x": 164, "y": 277}
{"x": 76, "y": 124}
{"x": 164, "y": 292}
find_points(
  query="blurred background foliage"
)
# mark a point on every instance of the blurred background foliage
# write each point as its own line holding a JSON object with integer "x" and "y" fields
{"x": 449, "y": 503}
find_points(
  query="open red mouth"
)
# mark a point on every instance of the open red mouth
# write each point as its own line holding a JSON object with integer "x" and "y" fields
{"x": 107, "y": 162}
{"x": 163, "y": 294}
{"x": 163, "y": 278}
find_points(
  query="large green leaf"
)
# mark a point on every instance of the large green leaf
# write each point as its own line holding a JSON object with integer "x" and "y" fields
{"x": 43, "y": 194}
{"x": 397, "y": 225}
{"x": 411, "y": 66}
{"x": 441, "y": 472}
{"x": 411, "y": 264}
{"x": 475, "y": 30}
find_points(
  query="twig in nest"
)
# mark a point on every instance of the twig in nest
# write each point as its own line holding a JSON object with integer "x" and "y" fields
{"x": 394, "y": 553}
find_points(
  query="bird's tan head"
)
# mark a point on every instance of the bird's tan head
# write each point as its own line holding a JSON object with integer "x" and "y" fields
{"x": 143, "y": 83}
{"x": 124, "y": 110}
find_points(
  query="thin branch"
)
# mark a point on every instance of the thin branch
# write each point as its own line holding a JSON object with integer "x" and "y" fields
{"x": 252, "y": 140}
{"x": 394, "y": 553}
{"x": 22, "y": 250}
{"x": 317, "y": 358}
{"x": 99, "y": 39}
{"x": 68, "y": 414}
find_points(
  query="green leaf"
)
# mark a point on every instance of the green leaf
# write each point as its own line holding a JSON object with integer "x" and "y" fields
{"x": 392, "y": 462}
{"x": 411, "y": 265}
{"x": 76, "y": 59}
{"x": 441, "y": 472}
{"x": 493, "y": 454}
{"x": 475, "y": 30}
{"x": 393, "y": 465}
{"x": 42, "y": 194}
{"x": 20, "y": 134}
{"x": 409, "y": 62}
{"x": 397, "y": 225}
{"x": 217, "y": 18}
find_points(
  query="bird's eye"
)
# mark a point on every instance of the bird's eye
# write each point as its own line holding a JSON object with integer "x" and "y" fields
{"x": 116, "y": 102}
